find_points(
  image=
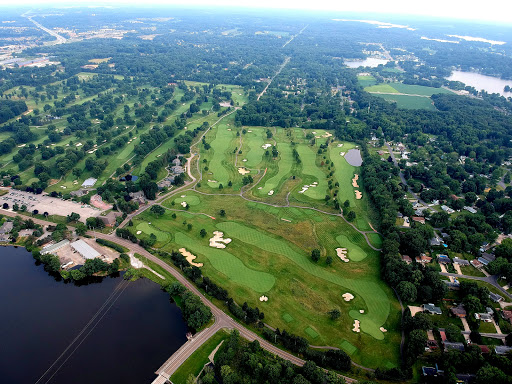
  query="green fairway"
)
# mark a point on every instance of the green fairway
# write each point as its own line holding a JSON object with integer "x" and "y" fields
{"x": 252, "y": 146}
{"x": 381, "y": 88}
{"x": 309, "y": 168}
{"x": 344, "y": 172}
{"x": 189, "y": 199}
{"x": 285, "y": 166}
{"x": 374, "y": 297}
{"x": 355, "y": 253}
{"x": 148, "y": 230}
{"x": 410, "y": 102}
{"x": 418, "y": 89}
{"x": 220, "y": 145}
{"x": 366, "y": 81}
{"x": 375, "y": 239}
{"x": 229, "y": 265}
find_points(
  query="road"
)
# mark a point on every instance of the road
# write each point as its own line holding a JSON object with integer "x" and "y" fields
{"x": 60, "y": 39}
{"x": 493, "y": 280}
{"x": 222, "y": 320}
{"x": 285, "y": 62}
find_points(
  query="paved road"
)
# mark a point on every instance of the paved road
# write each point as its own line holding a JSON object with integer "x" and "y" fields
{"x": 222, "y": 320}
{"x": 60, "y": 39}
{"x": 286, "y": 61}
{"x": 493, "y": 280}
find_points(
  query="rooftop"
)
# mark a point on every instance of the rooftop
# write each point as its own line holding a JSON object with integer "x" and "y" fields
{"x": 89, "y": 182}
{"x": 53, "y": 247}
{"x": 85, "y": 249}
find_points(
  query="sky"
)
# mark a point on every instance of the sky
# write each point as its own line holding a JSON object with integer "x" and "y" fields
{"x": 490, "y": 10}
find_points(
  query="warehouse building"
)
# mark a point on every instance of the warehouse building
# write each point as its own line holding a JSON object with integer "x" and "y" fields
{"x": 85, "y": 250}
{"x": 54, "y": 247}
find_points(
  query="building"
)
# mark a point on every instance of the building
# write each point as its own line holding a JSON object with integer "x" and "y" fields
{"x": 475, "y": 263}
{"x": 176, "y": 161}
{"x": 507, "y": 315}
{"x": 423, "y": 259}
{"x": 6, "y": 228}
{"x": 470, "y": 209}
{"x": 502, "y": 350}
{"x": 177, "y": 170}
{"x": 435, "y": 241}
{"x": 418, "y": 219}
{"x": 138, "y": 197}
{"x": 110, "y": 219}
{"x": 485, "y": 316}
{"x": 443, "y": 259}
{"x": 431, "y": 371}
{"x": 54, "y": 247}
{"x": 458, "y": 311}
{"x": 432, "y": 309}
{"x": 79, "y": 193}
{"x": 65, "y": 262}
{"x": 453, "y": 346}
{"x": 495, "y": 297}
{"x": 456, "y": 260}
{"x": 89, "y": 183}
{"x": 447, "y": 209}
{"x": 407, "y": 259}
{"x": 85, "y": 250}
{"x": 488, "y": 257}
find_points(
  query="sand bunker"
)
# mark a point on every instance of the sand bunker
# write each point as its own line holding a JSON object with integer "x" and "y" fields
{"x": 212, "y": 181}
{"x": 342, "y": 254}
{"x": 271, "y": 192}
{"x": 361, "y": 311}
{"x": 249, "y": 131}
{"x": 243, "y": 171}
{"x": 325, "y": 135}
{"x": 288, "y": 221}
{"x": 382, "y": 329}
{"x": 217, "y": 241}
{"x": 229, "y": 129}
{"x": 139, "y": 232}
{"x": 265, "y": 146}
{"x": 342, "y": 153}
{"x": 340, "y": 145}
{"x": 356, "y": 326}
{"x": 347, "y": 296}
{"x": 263, "y": 298}
{"x": 354, "y": 181}
{"x": 190, "y": 257}
{"x": 184, "y": 204}
{"x": 359, "y": 195}
{"x": 244, "y": 160}
{"x": 182, "y": 196}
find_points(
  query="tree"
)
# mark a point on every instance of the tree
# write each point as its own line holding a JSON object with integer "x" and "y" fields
{"x": 334, "y": 314}
{"x": 72, "y": 217}
{"x": 80, "y": 229}
{"x": 157, "y": 210}
{"x": 202, "y": 233}
{"x": 346, "y": 204}
{"x": 315, "y": 255}
{"x": 351, "y": 216}
{"x": 328, "y": 260}
{"x": 416, "y": 344}
{"x": 222, "y": 213}
{"x": 407, "y": 291}
{"x": 489, "y": 374}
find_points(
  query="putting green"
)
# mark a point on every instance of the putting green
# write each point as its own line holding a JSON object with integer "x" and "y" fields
{"x": 253, "y": 150}
{"x": 148, "y": 230}
{"x": 311, "y": 332}
{"x": 308, "y": 158}
{"x": 355, "y": 253}
{"x": 285, "y": 167}
{"x": 229, "y": 265}
{"x": 370, "y": 291}
{"x": 190, "y": 200}
{"x": 220, "y": 145}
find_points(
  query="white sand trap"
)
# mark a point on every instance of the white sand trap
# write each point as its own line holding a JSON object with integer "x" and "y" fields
{"x": 249, "y": 131}
{"x": 244, "y": 160}
{"x": 342, "y": 254}
{"x": 361, "y": 311}
{"x": 342, "y": 153}
{"x": 190, "y": 257}
{"x": 263, "y": 298}
{"x": 78, "y": 144}
{"x": 359, "y": 195}
{"x": 265, "y": 146}
{"x": 184, "y": 204}
{"x": 288, "y": 221}
{"x": 314, "y": 183}
{"x": 354, "y": 181}
{"x": 183, "y": 196}
{"x": 382, "y": 329}
{"x": 327, "y": 134}
{"x": 314, "y": 133}
{"x": 260, "y": 187}
{"x": 340, "y": 145}
{"x": 139, "y": 232}
{"x": 271, "y": 192}
{"x": 243, "y": 171}
{"x": 212, "y": 181}
{"x": 356, "y": 326}
{"x": 347, "y": 296}
{"x": 217, "y": 241}
{"x": 229, "y": 129}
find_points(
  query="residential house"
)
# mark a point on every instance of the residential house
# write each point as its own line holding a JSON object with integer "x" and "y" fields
{"x": 89, "y": 183}
{"x": 456, "y": 260}
{"x": 470, "y": 209}
{"x": 443, "y": 259}
{"x": 453, "y": 346}
{"x": 79, "y": 193}
{"x": 435, "y": 241}
{"x": 138, "y": 197}
{"x": 6, "y": 228}
{"x": 458, "y": 311}
{"x": 418, "y": 219}
{"x": 488, "y": 257}
{"x": 423, "y": 259}
{"x": 432, "y": 309}
{"x": 110, "y": 219}
{"x": 407, "y": 259}
{"x": 447, "y": 209}
{"x": 485, "y": 316}
{"x": 477, "y": 264}
{"x": 484, "y": 349}
{"x": 495, "y": 297}
{"x": 502, "y": 350}
{"x": 429, "y": 372}
{"x": 507, "y": 315}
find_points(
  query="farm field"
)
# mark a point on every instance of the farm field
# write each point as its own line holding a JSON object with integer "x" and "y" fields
{"x": 409, "y": 102}
{"x": 367, "y": 80}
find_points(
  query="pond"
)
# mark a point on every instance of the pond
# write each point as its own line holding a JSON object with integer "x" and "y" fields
{"x": 124, "y": 330}
{"x": 368, "y": 62}
{"x": 354, "y": 158}
{"x": 488, "y": 83}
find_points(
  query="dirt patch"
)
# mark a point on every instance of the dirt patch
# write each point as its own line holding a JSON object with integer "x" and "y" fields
{"x": 415, "y": 310}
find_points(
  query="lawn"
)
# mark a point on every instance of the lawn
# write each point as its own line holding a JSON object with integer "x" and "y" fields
{"x": 148, "y": 230}
{"x": 355, "y": 253}
{"x": 252, "y": 147}
{"x": 418, "y": 89}
{"x": 409, "y": 102}
{"x": 217, "y": 164}
{"x": 195, "y": 363}
{"x": 381, "y": 88}
{"x": 285, "y": 164}
{"x": 366, "y": 81}
{"x": 309, "y": 168}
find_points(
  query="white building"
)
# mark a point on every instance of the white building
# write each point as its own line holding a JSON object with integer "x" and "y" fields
{"x": 89, "y": 182}
{"x": 85, "y": 250}
{"x": 54, "y": 247}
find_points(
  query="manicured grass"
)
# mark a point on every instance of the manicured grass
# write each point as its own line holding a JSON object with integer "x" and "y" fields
{"x": 220, "y": 145}
{"x": 382, "y": 88}
{"x": 486, "y": 327}
{"x": 311, "y": 332}
{"x": 195, "y": 363}
{"x": 355, "y": 253}
{"x": 347, "y": 347}
{"x": 409, "y": 102}
{"x": 418, "y": 89}
{"x": 189, "y": 199}
{"x": 375, "y": 299}
{"x": 375, "y": 239}
{"x": 366, "y": 81}
{"x": 148, "y": 229}
{"x": 309, "y": 168}
{"x": 229, "y": 265}
{"x": 287, "y": 317}
{"x": 252, "y": 147}
{"x": 285, "y": 166}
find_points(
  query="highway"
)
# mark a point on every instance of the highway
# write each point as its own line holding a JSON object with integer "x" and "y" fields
{"x": 60, "y": 39}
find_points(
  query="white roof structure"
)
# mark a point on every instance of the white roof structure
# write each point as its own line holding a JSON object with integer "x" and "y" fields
{"x": 53, "y": 247}
{"x": 89, "y": 182}
{"x": 85, "y": 250}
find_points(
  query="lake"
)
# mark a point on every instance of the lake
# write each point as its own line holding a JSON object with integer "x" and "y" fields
{"x": 136, "y": 328}
{"x": 488, "y": 83}
{"x": 354, "y": 158}
{"x": 368, "y": 62}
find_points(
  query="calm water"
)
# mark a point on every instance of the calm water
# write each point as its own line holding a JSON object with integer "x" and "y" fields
{"x": 354, "y": 158}
{"x": 488, "y": 83}
{"x": 41, "y": 317}
{"x": 368, "y": 62}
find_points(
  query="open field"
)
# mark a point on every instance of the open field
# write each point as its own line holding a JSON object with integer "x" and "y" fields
{"x": 409, "y": 102}
{"x": 383, "y": 88}
{"x": 366, "y": 81}
{"x": 418, "y": 89}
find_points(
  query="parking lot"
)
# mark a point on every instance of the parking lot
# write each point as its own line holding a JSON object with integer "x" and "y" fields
{"x": 44, "y": 203}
